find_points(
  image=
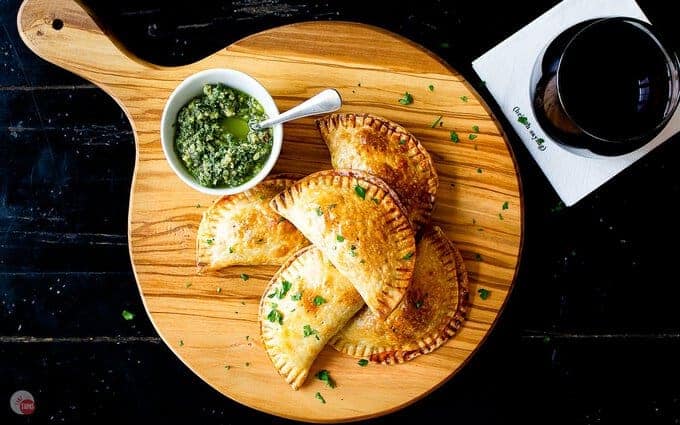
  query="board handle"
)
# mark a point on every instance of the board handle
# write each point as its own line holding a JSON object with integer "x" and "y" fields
{"x": 63, "y": 33}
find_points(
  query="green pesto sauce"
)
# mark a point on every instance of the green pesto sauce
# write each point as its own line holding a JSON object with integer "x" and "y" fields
{"x": 213, "y": 140}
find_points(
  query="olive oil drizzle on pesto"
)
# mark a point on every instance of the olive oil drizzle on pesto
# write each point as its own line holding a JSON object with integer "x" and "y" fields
{"x": 213, "y": 140}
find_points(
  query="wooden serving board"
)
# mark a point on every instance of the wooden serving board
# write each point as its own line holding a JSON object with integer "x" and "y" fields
{"x": 210, "y": 328}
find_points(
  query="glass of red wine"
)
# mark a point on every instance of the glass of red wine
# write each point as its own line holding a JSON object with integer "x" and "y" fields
{"x": 606, "y": 86}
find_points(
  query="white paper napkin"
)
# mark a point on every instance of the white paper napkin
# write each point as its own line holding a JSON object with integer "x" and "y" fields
{"x": 506, "y": 69}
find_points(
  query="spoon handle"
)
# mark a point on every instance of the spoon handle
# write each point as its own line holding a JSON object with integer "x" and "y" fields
{"x": 327, "y": 101}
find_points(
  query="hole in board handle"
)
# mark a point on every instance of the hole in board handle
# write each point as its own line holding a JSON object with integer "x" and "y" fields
{"x": 57, "y": 24}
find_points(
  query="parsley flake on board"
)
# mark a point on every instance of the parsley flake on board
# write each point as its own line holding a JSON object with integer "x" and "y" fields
{"x": 320, "y": 397}
{"x": 318, "y": 300}
{"x": 375, "y": 201}
{"x": 436, "y": 121}
{"x": 484, "y": 293}
{"x": 472, "y": 136}
{"x": 406, "y": 98}
{"x": 505, "y": 205}
{"x": 231, "y": 250}
{"x": 340, "y": 238}
{"x": 362, "y": 362}
{"x": 360, "y": 191}
{"x": 319, "y": 212}
{"x": 244, "y": 277}
{"x": 454, "y": 137}
{"x": 325, "y": 376}
{"x": 475, "y": 128}
{"x": 219, "y": 290}
{"x": 127, "y": 315}
{"x": 181, "y": 343}
{"x": 296, "y": 297}
{"x": 407, "y": 256}
{"x": 464, "y": 98}
{"x": 430, "y": 87}
{"x": 479, "y": 170}
{"x": 209, "y": 241}
{"x": 523, "y": 120}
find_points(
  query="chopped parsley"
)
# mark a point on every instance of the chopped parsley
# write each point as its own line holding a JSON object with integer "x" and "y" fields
{"x": 436, "y": 121}
{"x": 418, "y": 304}
{"x": 402, "y": 141}
{"x": 319, "y": 212}
{"x": 325, "y": 376}
{"x": 506, "y": 205}
{"x": 308, "y": 331}
{"x": 472, "y": 136}
{"x": 360, "y": 191}
{"x": 227, "y": 367}
{"x": 353, "y": 250}
{"x": 318, "y": 300}
{"x": 262, "y": 197}
{"x": 198, "y": 205}
{"x": 296, "y": 297}
{"x": 219, "y": 289}
{"x": 231, "y": 250}
{"x": 209, "y": 241}
{"x": 483, "y": 293}
{"x": 375, "y": 201}
{"x": 406, "y": 98}
{"x": 127, "y": 315}
{"x": 244, "y": 277}
{"x": 479, "y": 170}
{"x": 274, "y": 315}
{"x": 340, "y": 238}
{"x": 475, "y": 128}
{"x": 454, "y": 137}
{"x": 500, "y": 216}
{"x": 430, "y": 87}
{"x": 282, "y": 291}
{"x": 188, "y": 285}
{"x": 362, "y": 362}
{"x": 523, "y": 120}
{"x": 464, "y": 98}
{"x": 181, "y": 343}
{"x": 407, "y": 256}
{"x": 557, "y": 208}
{"x": 320, "y": 397}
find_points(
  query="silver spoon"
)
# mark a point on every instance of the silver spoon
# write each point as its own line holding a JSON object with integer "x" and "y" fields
{"x": 327, "y": 101}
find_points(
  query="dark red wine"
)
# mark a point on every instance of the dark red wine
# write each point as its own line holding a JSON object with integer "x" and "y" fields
{"x": 607, "y": 85}
{"x": 615, "y": 81}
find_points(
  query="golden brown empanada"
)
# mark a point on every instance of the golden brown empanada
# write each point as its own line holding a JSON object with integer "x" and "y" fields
{"x": 358, "y": 223}
{"x": 306, "y": 303}
{"x": 387, "y": 150}
{"x": 242, "y": 229}
{"x": 431, "y": 312}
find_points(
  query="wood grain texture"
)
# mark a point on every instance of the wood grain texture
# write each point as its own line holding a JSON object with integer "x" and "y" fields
{"x": 372, "y": 69}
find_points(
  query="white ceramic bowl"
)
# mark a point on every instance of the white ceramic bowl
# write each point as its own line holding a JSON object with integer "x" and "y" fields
{"x": 192, "y": 87}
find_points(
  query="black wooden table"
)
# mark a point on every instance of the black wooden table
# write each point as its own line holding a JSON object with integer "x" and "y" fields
{"x": 591, "y": 333}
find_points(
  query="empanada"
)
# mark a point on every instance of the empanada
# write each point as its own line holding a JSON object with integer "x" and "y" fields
{"x": 431, "y": 312}
{"x": 306, "y": 303}
{"x": 387, "y": 150}
{"x": 242, "y": 229}
{"x": 358, "y": 223}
